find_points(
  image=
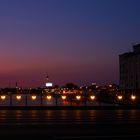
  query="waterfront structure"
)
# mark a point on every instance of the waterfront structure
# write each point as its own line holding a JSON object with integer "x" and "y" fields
{"x": 130, "y": 69}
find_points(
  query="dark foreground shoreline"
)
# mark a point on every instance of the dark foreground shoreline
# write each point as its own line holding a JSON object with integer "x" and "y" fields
{"x": 81, "y": 122}
{"x": 127, "y": 107}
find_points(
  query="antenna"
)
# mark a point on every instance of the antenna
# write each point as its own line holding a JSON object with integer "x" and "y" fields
{"x": 47, "y": 77}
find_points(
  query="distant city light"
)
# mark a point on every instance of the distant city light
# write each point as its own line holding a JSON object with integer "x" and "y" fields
{"x": 93, "y": 84}
{"x": 49, "y": 84}
{"x": 3, "y": 97}
{"x": 110, "y": 85}
{"x": 97, "y": 86}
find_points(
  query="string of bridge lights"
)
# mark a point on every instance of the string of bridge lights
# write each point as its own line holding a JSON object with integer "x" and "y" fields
{"x": 49, "y": 97}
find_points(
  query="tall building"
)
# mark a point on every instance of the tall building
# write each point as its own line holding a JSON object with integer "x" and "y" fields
{"x": 130, "y": 69}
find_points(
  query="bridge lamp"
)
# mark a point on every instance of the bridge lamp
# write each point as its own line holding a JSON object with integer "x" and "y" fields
{"x": 92, "y": 97}
{"x": 49, "y": 97}
{"x": 120, "y": 97}
{"x": 63, "y": 97}
{"x": 133, "y": 97}
{"x": 78, "y": 97}
{"x": 18, "y": 97}
{"x": 3, "y": 97}
{"x": 33, "y": 97}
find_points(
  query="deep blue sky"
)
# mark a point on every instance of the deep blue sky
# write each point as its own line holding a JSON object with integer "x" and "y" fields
{"x": 73, "y": 40}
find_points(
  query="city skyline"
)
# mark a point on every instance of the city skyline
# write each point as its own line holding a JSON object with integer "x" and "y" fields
{"x": 75, "y": 41}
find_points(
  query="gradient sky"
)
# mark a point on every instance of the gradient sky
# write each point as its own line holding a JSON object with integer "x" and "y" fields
{"x": 72, "y": 40}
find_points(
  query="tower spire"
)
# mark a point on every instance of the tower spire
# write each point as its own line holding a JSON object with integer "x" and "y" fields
{"x": 47, "y": 77}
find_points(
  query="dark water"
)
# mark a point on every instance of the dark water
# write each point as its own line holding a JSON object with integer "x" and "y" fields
{"x": 50, "y": 117}
{"x": 71, "y": 124}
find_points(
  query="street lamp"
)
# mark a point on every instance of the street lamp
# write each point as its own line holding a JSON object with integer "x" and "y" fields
{"x": 18, "y": 97}
{"x": 133, "y": 97}
{"x": 92, "y": 97}
{"x": 49, "y": 97}
{"x": 120, "y": 97}
{"x": 63, "y": 97}
{"x": 3, "y": 97}
{"x": 33, "y": 97}
{"x": 78, "y": 97}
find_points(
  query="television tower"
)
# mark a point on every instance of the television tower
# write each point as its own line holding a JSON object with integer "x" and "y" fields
{"x": 47, "y": 77}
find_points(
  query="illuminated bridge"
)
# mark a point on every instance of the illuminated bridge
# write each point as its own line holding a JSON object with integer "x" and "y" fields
{"x": 34, "y": 99}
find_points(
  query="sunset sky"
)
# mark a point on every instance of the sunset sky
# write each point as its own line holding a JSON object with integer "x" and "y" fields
{"x": 72, "y": 40}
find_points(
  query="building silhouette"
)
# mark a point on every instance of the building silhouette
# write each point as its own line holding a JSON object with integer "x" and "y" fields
{"x": 130, "y": 69}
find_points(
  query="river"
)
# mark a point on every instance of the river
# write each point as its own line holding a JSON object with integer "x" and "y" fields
{"x": 72, "y": 124}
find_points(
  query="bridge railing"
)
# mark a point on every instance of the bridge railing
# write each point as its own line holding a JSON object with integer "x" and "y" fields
{"x": 65, "y": 100}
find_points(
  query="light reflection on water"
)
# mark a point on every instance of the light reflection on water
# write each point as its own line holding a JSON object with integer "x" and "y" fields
{"x": 50, "y": 117}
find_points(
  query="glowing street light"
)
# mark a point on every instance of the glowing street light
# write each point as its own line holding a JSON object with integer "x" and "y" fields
{"x": 92, "y": 97}
{"x": 133, "y": 97}
{"x": 120, "y": 97}
{"x": 3, "y": 97}
{"x": 33, "y": 97}
{"x": 78, "y": 97}
{"x": 63, "y": 97}
{"x": 97, "y": 86}
{"x": 49, "y": 97}
{"x": 110, "y": 86}
{"x": 18, "y": 97}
